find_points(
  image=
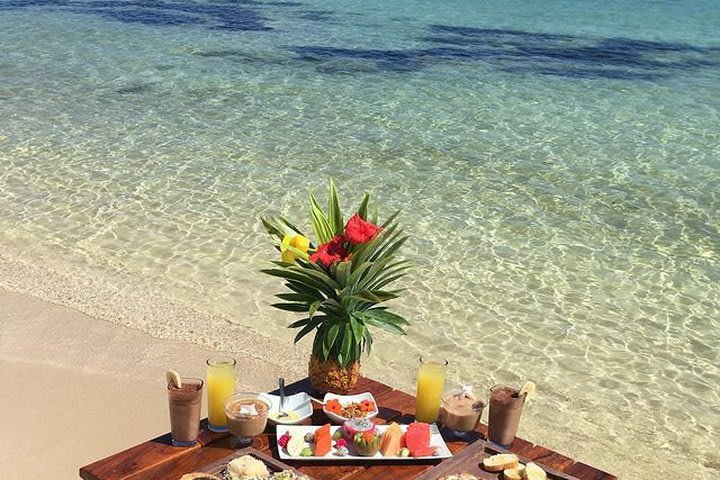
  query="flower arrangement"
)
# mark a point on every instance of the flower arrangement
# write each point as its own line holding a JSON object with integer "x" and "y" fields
{"x": 339, "y": 282}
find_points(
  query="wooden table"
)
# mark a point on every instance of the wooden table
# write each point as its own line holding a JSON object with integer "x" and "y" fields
{"x": 157, "y": 459}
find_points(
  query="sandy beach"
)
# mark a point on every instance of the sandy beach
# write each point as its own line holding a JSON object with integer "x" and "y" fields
{"x": 79, "y": 389}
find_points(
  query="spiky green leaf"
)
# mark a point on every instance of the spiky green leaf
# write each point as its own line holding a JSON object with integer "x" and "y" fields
{"x": 320, "y": 224}
{"x": 291, "y": 307}
{"x": 329, "y": 339}
{"x": 334, "y": 216}
{"x": 309, "y": 327}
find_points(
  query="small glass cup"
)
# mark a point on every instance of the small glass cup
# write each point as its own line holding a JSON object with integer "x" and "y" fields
{"x": 430, "y": 386}
{"x": 220, "y": 385}
{"x": 460, "y": 412}
{"x": 247, "y": 415}
{"x": 506, "y": 406}
{"x": 185, "y": 403}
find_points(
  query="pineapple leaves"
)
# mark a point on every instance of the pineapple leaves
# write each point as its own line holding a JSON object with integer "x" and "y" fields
{"x": 291, "y": 307}
{"x": 311, "y": 325}
{"x": 329, "y": 340}
{"x": 362, "y": 211}
{"x": 387, "y": 321}
{"x": 321, "y": 226}
{"x": 342, "y": 291}
{"x": 368, "y": 340}
{"x": 335, "y": 218}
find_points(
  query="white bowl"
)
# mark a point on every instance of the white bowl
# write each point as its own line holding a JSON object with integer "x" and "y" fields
{"x": 300, "y": 403}
{"x": 344, "y": 400}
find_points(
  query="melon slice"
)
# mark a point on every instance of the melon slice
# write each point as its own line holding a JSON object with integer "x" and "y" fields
{"x": 417, "y": 439}
{"x": 323, "y": 440}
{"x": 392, "y": 441}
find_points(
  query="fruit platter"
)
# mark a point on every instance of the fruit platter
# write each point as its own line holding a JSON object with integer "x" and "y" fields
{"x": 361, "y": 439}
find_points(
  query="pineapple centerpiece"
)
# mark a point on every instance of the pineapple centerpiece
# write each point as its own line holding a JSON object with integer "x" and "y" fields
{"x": 340, "y": 284}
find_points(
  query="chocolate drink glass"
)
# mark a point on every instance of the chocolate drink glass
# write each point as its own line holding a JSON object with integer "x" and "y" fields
{"x": 460, "y": 412}
{"x": 506, "y": 406}
{"x": 247, "y": 415}
{"x": 185, "y": 411}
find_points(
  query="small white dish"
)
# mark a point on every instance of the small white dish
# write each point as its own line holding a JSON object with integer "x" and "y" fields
{"x": 299, "y": 403}
{"x": 346, "y": 399}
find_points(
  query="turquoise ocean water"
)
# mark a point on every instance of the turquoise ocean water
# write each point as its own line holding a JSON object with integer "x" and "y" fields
{"x": 557, "y": 163}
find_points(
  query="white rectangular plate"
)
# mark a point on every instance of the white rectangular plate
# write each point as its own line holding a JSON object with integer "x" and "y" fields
{"x": 436, "y": 441}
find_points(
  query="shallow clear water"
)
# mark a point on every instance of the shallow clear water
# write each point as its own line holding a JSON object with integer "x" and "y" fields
{"x": 557, "y": 163}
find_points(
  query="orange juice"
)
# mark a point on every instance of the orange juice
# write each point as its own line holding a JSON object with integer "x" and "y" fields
{"x": 430, "y": 385}
{"x": 220, "y": 386}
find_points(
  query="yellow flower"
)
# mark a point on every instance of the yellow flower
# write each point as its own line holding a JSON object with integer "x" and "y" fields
{"x": 288, "y": 256}
{"x": 300, "y": 242}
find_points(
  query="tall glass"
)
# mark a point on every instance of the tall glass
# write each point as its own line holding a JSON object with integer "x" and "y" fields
{"x": 430, "y": 385}
{"x": 506, "y": 406}
{"x": 185, "y": 411}
{"x": 220, "y": 386}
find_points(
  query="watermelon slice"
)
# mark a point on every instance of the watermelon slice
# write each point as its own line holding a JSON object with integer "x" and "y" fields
{"x": 323, "y": 440}
{"x": 417, "y": 440}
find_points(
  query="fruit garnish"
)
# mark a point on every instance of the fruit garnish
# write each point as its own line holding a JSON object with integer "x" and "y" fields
{"x": 342, "y": 451}
{"x": 295, "y": 445}
{"x": 341, "y": 442}
{"x": 528, "y": 389}
{"x": 337, "y": 434}
{"x": 333, "y": 406}
{"x": 404, "y": 452}
{"x": 368, "y": 436}
{"x": 306, "y": 452}
{"x": 284, "y": 439}
{"x": 173, "y": 377}
{"x": 367, "y": 406}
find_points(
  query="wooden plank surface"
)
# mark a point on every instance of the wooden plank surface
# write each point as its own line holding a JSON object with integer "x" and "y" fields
{"x": 157, "y": 459}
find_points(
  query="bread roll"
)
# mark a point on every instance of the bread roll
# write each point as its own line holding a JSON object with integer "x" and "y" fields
{"x": 500, "y": 462}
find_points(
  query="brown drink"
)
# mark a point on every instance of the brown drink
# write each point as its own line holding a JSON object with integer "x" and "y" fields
{"x": 461, "y": 411}
{"x": 185, "y": 411}
{"x": 506, "y": 406}
{"x": 247, "y": 414}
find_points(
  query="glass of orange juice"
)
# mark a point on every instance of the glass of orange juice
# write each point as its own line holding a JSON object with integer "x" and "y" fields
{"x": 220, "y": 386}
{"x": 430, "y": 385}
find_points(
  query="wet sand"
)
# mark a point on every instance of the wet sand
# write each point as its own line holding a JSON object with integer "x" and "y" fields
{"x": 79, "y": 389}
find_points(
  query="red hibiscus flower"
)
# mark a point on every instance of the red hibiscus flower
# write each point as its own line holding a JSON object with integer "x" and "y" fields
{"x": 359, "y": 231}
{"x": 331, "y": 252}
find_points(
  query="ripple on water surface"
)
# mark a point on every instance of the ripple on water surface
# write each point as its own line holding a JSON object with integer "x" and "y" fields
{"x": 557, "y": 167}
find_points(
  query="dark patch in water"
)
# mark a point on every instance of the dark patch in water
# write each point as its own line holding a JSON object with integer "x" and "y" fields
{"x": 222, "y": 14}
{"x": 316, "y": 15}
{"x": 135, "y": 88}
{"x": 517, "y": 51}
{"x": 284, "y": 4}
